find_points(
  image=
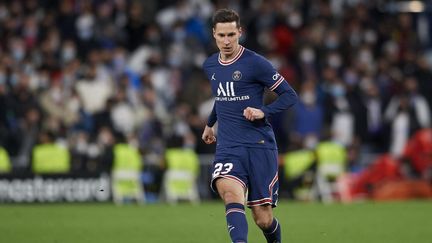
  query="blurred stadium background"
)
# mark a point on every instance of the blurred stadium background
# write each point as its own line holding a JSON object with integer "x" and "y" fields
{"x": 103, "y": 102}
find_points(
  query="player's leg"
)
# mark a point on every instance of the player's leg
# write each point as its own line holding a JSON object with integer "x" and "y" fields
{"x": 229, "y": 179}
{"x": 263, "y": 217}
{"x": 233, "y": 195}
{"x": 230, "y": 191}
{"x": 263, "y": 191}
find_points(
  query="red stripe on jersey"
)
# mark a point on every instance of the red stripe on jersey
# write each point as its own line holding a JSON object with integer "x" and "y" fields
{"x": 272, "y": 183}
{"x": 234, "y": 210}
{"x": 259, "y": 202}
{"x": 225, "y": 63}
{"x": 227, "y": 177}
{"x": 234, "y": 178}
{"x": 275, "y": 179}
{"x": 275, "y": 85}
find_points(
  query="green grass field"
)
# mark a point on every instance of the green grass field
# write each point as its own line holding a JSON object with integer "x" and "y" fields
{"x": 392, "y": 222}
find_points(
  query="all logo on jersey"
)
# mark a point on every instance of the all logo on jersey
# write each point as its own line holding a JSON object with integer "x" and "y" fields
{"x": 236, "y": 76}
{"x": 228, "y": 90}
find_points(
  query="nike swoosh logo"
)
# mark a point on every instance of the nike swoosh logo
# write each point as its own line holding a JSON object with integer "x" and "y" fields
{"x": 230, "y": 228}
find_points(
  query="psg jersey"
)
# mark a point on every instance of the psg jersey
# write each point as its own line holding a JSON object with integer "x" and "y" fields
{"x": 240, "y": 83}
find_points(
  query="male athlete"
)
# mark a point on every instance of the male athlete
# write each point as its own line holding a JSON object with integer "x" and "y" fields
{"x": 246, "y": 153}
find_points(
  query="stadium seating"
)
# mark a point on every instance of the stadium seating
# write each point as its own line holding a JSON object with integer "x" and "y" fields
{"x": 297, "y": 164}
{"x": 126, "y": 183}
{"x": 331, "y": 164}
{"x": 50, "y": 158}
{"x": 5, "y": 165}
{"x": 179, "y": 181}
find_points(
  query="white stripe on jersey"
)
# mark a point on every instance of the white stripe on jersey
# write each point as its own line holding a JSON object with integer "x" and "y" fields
{"x": 221, "y": 90}
{"x": 232, "y": 88}
{"x": 275, "y": 85}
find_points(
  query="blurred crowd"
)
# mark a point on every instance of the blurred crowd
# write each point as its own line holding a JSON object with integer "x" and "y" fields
{"x": 90, "y": 74}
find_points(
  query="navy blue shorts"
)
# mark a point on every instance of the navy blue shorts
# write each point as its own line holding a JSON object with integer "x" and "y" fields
{"x": 256, "y": 169}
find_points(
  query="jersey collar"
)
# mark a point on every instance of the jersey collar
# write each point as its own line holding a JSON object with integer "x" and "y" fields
{"x": 226, "y": 63}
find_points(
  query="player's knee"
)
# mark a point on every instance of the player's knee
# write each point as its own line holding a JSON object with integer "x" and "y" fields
{"x": 262, "y": 216}
{"x": 263, "y": 222}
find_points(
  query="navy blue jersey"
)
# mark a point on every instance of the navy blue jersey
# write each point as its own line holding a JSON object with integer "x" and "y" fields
{"x": 238, "y": 84}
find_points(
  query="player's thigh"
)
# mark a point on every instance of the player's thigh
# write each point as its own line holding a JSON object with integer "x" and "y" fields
{"x": 263, "y": 174}
{"x": 228, "y": 165}
{"x": 230, "y": 191}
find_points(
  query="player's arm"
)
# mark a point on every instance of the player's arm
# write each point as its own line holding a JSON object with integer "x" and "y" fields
{"x": 285, "y": 100}
{"x": 212, "y": 117}
{"x": 268, "y": 75}
{"x": 287, "y": 97}
{"x": 208, "y": 135}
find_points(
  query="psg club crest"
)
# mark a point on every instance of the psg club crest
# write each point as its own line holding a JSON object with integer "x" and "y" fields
{"x": 236, "y": 75}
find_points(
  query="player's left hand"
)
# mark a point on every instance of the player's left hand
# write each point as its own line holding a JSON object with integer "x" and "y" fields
{"x": 208, "y": 135}
{"x": 253, "y": 114}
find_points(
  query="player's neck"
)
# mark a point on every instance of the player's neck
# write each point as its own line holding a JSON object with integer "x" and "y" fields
{"x": 227, "y": 58}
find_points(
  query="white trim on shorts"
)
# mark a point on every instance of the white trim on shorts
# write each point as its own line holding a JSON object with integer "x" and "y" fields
{"x": 266, "y": 200}
{"x": 229, "y": 177}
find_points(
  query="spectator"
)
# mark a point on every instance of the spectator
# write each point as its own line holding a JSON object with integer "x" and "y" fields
{"x": 93, "y": 71}
{"x": 406, "y": 113}
{"x": 309, "y": 116}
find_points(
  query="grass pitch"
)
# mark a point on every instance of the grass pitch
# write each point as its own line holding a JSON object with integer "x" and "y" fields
{"x": 392, "y": 222}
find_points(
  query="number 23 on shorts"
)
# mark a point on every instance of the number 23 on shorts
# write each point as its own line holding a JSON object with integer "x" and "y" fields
{"x": 222, "y": 169}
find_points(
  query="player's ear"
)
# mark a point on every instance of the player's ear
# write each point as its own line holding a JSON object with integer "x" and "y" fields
{"x": 214, "y": 33}
{"x": 240, "y": 31}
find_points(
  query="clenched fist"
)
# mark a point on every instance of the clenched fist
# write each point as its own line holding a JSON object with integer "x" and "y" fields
{"x": 253, "y": 114}
{"x": 208, "y": 135}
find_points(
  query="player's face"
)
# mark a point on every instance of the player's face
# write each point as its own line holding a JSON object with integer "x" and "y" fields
{"x": 227, "y": 38}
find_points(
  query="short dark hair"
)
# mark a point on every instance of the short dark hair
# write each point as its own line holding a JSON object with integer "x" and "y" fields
{"x": 226, "y": 16}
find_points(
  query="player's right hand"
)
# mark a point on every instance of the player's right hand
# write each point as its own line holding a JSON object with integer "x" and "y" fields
{"x": 208, "y": 135}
